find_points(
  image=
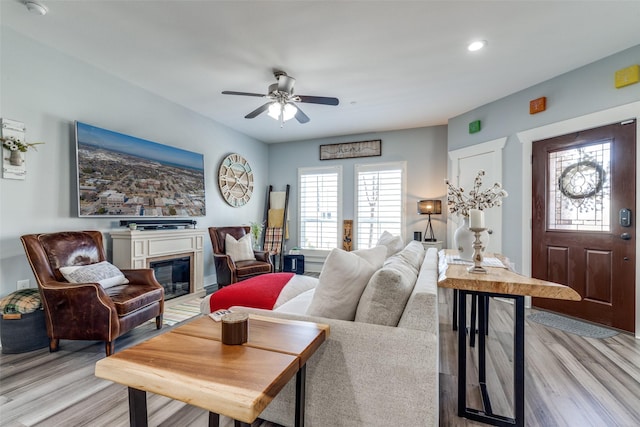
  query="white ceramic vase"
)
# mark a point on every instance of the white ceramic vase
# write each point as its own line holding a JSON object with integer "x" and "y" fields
{"x": 15, "y": 158}
{"x": 463, "y": 239}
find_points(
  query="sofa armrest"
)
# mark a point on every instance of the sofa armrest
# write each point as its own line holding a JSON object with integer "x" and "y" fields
{"x": 364, "y": 374}
{"x": 224, "y": 269}
{"x": 79, "y": 311}
{"x": 262, "y": 256}
{"x": 140, "y": 276}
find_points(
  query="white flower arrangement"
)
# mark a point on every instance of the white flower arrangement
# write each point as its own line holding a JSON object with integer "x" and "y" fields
{"x": 12, "y": 144}
{"x": 460, "y": 203}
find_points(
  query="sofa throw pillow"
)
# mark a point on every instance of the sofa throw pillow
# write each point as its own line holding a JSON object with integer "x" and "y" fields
{"x": 376, "y": 255}
{"x": 104, "y": 273}
{"x": 239, "y": 250}
{"x": 386, "y": 295}
{"x": 340, "y": 285}
{"x": 394, "y": 244}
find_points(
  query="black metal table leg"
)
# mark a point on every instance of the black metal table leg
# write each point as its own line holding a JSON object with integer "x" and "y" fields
{"x": 455, "y": 310}
{"x": 486, "y": 415}
{"x": 462, "y": 354}
{"x": 482, "y": 352}
{"x": 301, "y": 379}
{"x": 214, "y": 419}
{"x": 486, "y": 320}
{"x": 137, "y": 407}
{"x": 472, "y": 326}
{"x": 518, "y": 361}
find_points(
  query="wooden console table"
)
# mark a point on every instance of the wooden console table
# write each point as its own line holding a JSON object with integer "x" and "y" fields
{"x": 497, "y": 282}
{"x": 191, "y": 364}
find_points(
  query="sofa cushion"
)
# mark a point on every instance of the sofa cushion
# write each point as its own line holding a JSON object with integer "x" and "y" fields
{"x": 341, "y": 282}
{"x": 104, "y": 273}
{"x": 298, "y": 284}
{"x": 386, "y": 295}
{"x": 393, "y": 244}
{"x": 130, "y": 298}
{"x": 297, "y": 305}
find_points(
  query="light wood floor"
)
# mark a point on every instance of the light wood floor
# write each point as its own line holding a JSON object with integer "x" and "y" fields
{"x": 570, "y": 381}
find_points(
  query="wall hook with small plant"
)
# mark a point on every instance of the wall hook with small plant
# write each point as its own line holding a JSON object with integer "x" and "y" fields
{"x": 13, "y": 148}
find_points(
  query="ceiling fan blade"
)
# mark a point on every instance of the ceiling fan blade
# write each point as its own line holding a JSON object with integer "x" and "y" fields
{"x": 318, "y": 100}
{"x": 285, "y": 83}
{"x": 231, "y": 92}
{"x": 261, "y": 109}
{"x": 301, "y": 117}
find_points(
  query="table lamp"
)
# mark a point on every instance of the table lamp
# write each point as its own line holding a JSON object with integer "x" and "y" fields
{"x": 429, "y": 207}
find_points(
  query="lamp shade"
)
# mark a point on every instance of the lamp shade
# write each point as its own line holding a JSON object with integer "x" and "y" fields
{"x": 430, "y": 207}
{"x": 288, "y": 111}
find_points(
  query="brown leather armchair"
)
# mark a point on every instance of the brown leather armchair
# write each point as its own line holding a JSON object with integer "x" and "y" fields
{"x": 227, "y": 271}
{"x": 87, "y": 311}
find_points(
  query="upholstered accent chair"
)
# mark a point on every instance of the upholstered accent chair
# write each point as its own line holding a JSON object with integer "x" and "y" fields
{"x": 89, "y": 311}
{"x": 229, "y": 271}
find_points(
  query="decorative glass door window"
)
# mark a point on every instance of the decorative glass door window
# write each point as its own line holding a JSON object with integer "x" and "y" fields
{"x": 579, "y": 190}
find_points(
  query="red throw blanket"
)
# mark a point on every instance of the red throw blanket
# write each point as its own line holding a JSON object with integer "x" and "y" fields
{"x": 258, "y": 292}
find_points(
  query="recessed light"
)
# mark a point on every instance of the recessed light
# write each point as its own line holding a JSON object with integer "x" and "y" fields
{"x": 36, "y": 8}
{"x": 477, "y": 45}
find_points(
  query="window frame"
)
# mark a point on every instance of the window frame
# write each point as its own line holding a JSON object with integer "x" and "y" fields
{"x": 314, "y": 171}
{"x": 381, "y": 166}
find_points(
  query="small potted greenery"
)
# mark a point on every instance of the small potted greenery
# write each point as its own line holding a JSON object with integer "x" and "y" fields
{"x": 16, "y": 147}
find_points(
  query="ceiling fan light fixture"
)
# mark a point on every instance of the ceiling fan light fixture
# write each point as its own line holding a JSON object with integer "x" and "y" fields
{"x": 289, "y": 112}
{"x": 279, "y": 110}
{"x": 36, "y": 8}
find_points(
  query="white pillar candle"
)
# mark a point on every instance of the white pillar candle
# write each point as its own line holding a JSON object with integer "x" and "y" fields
{"x": 476, "y": 218}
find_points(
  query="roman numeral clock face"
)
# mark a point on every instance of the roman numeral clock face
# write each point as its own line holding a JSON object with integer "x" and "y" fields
{"x": 235, "y": 179}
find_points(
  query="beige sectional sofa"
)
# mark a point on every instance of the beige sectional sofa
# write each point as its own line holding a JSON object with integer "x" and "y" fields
{"x": 382, "y": 368}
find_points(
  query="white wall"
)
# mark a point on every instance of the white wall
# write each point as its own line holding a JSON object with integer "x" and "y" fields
{"x": 48, "y": 91}
{"x": 424, "y": 150}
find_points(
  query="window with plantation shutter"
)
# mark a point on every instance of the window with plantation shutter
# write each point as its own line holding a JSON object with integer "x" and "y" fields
{"x": 320, "y": 205}
{"x": 380, "y": 201}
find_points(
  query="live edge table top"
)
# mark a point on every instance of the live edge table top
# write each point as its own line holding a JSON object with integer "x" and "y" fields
{"x": 503, "y": 281}
{"x": 190, "y": 364}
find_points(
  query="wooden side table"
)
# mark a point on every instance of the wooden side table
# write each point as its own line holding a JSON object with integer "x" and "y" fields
{"x": 503, "y": 283}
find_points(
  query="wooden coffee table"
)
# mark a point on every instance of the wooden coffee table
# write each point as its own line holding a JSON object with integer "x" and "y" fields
{"x": 190, "y": 364}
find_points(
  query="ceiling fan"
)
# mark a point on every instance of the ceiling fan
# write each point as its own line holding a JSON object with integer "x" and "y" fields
{"x": 281, "y": 100}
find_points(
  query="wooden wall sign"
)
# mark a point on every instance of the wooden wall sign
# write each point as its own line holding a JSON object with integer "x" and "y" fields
{"x": 538, "y": 105}
{"x": 348, "y": 150}
{"x": 347, "y": 232}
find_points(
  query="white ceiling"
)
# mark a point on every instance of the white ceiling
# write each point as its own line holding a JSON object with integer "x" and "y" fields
{"x": 392, "y": 64}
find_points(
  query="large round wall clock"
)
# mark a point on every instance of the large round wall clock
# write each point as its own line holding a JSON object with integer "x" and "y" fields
{"x": 235, "y": 179}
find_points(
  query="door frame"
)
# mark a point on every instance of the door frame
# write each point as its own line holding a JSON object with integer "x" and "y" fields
{"x": 617, "y": 114}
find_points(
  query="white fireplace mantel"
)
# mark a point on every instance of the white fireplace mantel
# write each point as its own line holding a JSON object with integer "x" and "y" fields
{"x": 137, "y": 248}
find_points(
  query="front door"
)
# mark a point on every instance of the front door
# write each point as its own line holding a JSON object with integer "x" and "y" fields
{"x": 583, "y": 224}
